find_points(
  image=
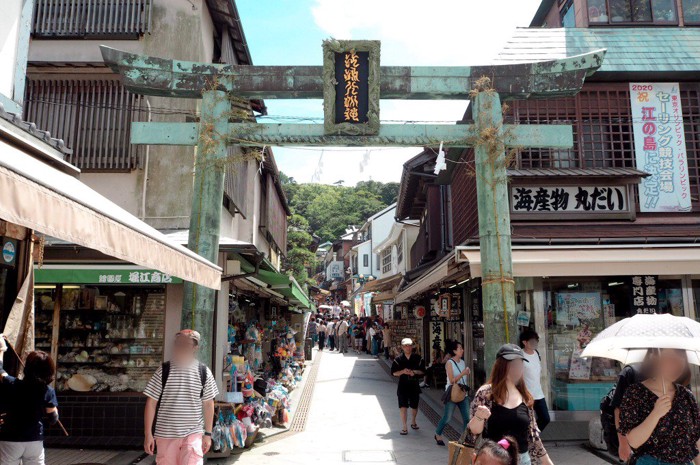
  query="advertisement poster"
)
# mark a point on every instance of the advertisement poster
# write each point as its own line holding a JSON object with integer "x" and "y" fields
{"x": 609, "y": 314}
{"x": 659, "y": 143}
{"x": 580, "y": 367}
{"x": 573, "y": 307}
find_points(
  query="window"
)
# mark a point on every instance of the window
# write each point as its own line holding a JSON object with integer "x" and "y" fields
{"x": 399, "y": 250}
{"x": 92, "y": 116}
{"x": 378, "y": 259}
{"x": 632, "y": 11}
{"x": 365, "y": 260}
{"x": 578, "y": 309}
{"x": 386, "y": 260}
{"x": 568, "y": 18}
{"x": 691, "y": 11}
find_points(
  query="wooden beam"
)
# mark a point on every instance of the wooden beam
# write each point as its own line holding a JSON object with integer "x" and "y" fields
{"x": 290, "y": 135}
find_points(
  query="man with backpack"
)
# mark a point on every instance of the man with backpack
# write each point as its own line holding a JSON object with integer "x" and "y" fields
{"x": 179, "y": 415}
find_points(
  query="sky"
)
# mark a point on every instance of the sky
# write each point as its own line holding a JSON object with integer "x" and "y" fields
{"x": 412, "y": 32}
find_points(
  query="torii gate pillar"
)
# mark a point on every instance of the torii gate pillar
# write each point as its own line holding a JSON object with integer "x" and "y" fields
{"x": 205, "y": 219}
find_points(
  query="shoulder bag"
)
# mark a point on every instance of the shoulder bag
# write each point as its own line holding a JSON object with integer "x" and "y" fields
{"x": 456, "y": 392}
{"x": 460, "y": 452}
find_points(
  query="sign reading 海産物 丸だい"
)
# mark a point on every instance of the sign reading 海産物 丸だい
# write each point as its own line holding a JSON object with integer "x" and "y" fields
{"x": 351, "y": 87}
{"x": 659, "y": 142}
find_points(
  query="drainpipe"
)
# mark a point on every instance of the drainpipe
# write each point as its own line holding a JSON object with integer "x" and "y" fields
{"x": 145, "y": 170}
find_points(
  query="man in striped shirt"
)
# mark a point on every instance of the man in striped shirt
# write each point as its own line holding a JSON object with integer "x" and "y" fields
{"x": 179, "y": 414}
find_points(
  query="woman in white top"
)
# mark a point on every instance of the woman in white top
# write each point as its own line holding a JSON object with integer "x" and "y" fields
{"x": 457, "y": 372}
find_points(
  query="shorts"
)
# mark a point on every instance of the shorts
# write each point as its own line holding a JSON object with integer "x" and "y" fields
{"x": 409, "y": 400}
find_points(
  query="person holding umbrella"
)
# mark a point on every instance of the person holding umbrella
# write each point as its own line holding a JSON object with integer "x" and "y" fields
{"x": 660, "y": 417}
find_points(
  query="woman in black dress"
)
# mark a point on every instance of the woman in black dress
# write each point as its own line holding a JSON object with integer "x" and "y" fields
{"x": 504, "y": 407}
{"x": 660, "y": 416}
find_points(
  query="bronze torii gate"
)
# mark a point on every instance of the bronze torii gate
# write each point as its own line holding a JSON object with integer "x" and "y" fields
{"x": 357, "y": 89}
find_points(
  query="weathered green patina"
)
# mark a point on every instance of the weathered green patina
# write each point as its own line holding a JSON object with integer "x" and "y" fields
{"x": 486, "y": 86}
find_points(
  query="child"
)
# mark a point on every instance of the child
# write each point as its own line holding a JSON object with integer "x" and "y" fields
{"x": 503, "y": 452}
{"x": 30, "y": 401}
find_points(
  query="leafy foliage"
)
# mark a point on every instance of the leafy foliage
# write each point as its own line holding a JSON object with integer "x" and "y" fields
{"x": 326, "y": 211}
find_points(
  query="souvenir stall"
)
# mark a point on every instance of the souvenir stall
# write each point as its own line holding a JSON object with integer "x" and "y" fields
{"x": 263, "y": 366}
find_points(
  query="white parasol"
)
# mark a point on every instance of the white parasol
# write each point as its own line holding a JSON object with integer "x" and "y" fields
{"x": 345, "y": 303}
{"x": 628, "y": 340}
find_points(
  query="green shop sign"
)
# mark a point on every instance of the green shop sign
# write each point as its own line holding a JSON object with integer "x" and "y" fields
{"x": 102, "y": 276}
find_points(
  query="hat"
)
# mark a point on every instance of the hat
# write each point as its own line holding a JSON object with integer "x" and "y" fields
{"x": 406, "y": 341}
{"x": 191, "y": 334}
{"x": 511, "y": 352}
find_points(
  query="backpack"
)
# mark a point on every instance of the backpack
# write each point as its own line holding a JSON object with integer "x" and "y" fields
{"x": 164, "y": 379}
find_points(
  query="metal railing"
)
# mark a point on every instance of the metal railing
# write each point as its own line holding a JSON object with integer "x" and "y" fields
{"x": 93, "y": 117}
{"x": 91, "y": 18}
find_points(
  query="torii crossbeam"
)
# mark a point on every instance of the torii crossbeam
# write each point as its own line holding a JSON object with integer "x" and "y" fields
{"x": 487, "y": 134}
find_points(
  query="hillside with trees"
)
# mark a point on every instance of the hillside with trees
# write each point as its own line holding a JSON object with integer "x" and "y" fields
{"x": 325, "y": 211}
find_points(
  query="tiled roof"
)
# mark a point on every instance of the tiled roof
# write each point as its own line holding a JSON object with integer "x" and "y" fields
{"x": 578, "y": 172}
{"x": 629, "y": 49}
{"x": 31, "y": 128}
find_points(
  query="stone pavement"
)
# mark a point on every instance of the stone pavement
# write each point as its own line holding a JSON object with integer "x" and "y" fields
{"x": 353, "y": 419}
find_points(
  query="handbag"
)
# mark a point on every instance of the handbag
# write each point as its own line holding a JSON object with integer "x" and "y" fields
{"x": 457, "y": 392}
{"x": 460, "y": 453}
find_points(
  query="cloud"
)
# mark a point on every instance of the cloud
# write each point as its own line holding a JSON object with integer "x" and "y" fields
{"x": 437, "y": 32}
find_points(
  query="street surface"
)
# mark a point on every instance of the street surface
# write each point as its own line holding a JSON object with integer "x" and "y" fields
{"x": 354, "y": 419}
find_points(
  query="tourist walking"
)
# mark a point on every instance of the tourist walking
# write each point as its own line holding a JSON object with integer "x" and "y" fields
{"x": 529, "y": 341}
{"x": 26, "y": 404}
{"x": 321, "y": 335}
{"x": 409, "y": 368}
{"x": 179, "y": 414}
{"x": 313, "y": 330}
{"x": 330, "y": 334}
{"x": 659, "y": 417}
{"x": 504, "y": 407}
{"x": 343, "y": 335}
{"x": 503, "y": 452}
{"x": 376, "y": 338}
{"x": 387, "y": 334}
{"x": 457, "y": 372}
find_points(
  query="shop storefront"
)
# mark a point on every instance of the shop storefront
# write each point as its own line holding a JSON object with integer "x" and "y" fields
{"x": 568, "y": 295}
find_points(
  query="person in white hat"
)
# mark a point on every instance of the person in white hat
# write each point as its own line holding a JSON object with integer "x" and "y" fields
{"x": 409, "y": 367}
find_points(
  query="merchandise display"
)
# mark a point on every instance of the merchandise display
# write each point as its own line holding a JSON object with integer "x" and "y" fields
{"x": 109, "y": 338}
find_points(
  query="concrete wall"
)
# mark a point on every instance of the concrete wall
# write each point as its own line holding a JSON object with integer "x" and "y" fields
{"x": 124, "y": 189}
{"x": 361, "y": 250}
{"x": 9, "y": 36}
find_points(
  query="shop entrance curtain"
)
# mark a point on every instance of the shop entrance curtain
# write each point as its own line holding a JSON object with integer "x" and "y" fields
{"x": 19, "y": 328}
{"x": 40, "y": 197}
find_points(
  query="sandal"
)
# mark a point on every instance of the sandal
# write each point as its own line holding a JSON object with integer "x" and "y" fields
{"x": 414, "y": 426}
{"x": 404, "y": 432}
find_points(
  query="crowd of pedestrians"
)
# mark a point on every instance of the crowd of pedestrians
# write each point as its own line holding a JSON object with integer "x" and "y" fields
{"x": 347, "y": 333}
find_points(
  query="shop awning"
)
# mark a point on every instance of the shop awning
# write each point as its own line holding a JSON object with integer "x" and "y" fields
{"x": 429, "y": 279}
{"x": 36, "y": 195}
{"x": 278, "y": 282}
{"x": 594, "y": 260}
{"x": 384, "y": 284}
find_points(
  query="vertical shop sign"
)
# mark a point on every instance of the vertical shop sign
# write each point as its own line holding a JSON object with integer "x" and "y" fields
{"x": 437, "y": 336}
{"x": 645, "y": 297}
{"x": 351, "y": 87}
{"x": 659, "y": 142}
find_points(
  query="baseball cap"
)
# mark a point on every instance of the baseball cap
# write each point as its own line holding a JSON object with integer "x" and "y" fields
{"x": 406, "y": 341}
{"x": 511, "y": 352}
{"x": 191, "y": 334}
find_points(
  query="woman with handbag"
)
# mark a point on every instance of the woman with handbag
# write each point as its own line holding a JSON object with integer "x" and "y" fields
{"x": 504, "y": 407}
{"x": 456, "y": 390}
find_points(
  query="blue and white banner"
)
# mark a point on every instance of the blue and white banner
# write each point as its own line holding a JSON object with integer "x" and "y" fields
{"x": 659, "y": 142}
